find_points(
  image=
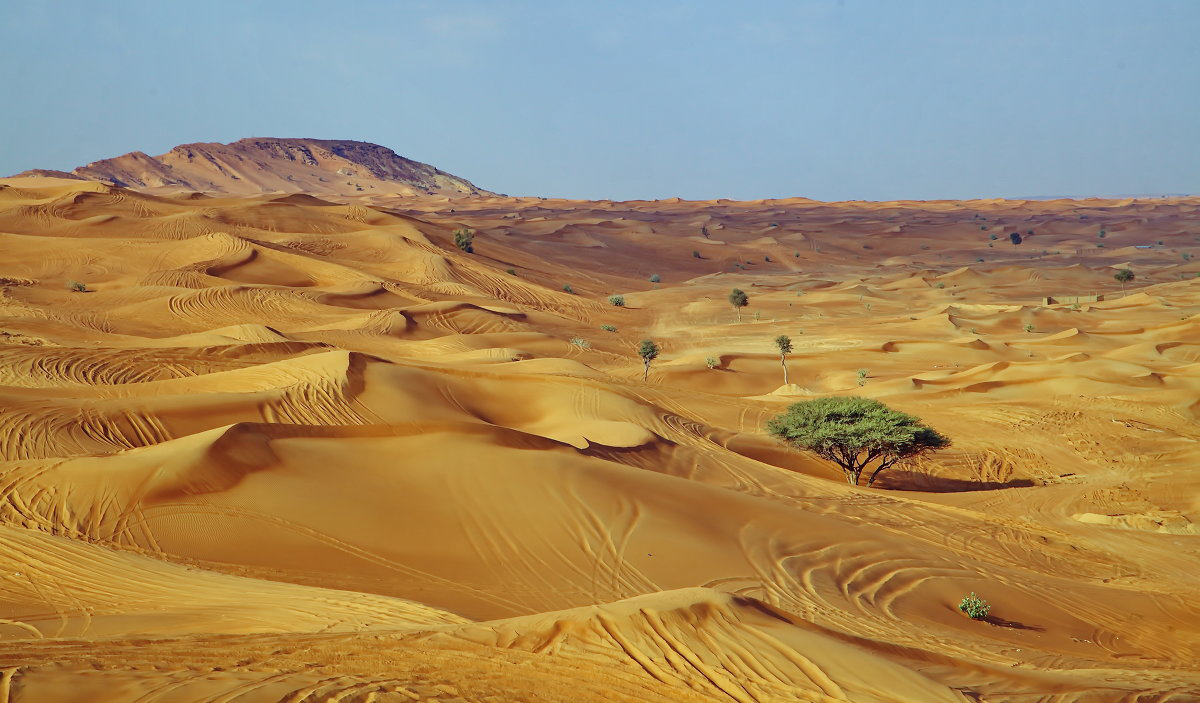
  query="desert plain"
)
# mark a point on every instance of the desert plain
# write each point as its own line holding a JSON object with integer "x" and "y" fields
{"x": 301, "y": 447}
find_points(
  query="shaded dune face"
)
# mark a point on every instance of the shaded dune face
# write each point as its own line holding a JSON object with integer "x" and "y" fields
{"x": 304, "y": 448}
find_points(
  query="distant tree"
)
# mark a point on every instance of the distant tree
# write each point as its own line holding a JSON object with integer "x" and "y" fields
{"x": 655, "y": 278}
{"x": 616, "y": 300}
{"x": 784, "y": 344}
{"x": 464, "y": 239}
{"x": 855, "y": 433}
{"x": 738, "y": 299}
{"x": 1123, "y": 276}
{"x": 1015, "y": 237}
{"x": 648, "y": 350}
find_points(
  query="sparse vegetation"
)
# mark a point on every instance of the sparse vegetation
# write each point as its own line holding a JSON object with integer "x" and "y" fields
{"x": 568, "y": 289}
{"x": 464, "y": 238}
{"x": 655, "y": 278}
{"x": 974, "y": 330}
{"x": 738, "y": 299}
{"x": 711, "y": 362}
{"x": 695, "y": 254}
{"x": 609, "y": 328}
{"x": 616, "y": 300}
{"x": 1028, "y": 326}
{"x": 784, "y": 344}
{"x": 648, "y": 350}
{"x": 511, "y": 272}
{"x": 940, "y": 285}
{"x": 581, "y": 343}
{"x": 77, "y": 286}
{"x": 974, "y": 607}
{"x": 1015, "y": 237}
{"x": 857, "y": 434}
{"x": 862, "y": 376}
{"x": 993, "y": 236}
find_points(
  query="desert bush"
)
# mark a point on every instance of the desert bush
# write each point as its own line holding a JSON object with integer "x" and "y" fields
{"x": 857, "y": 434}
{"x": 1015, "y": 237}
{"x": 511, "y": 272}
{"x": 712, "y": 362}
{"x": 940, "y": 285}
{"x": 616, "y": 300}
{"x": 568, "y": 289}
{"x": 77, "y": 287}
{"x": 1075, "y": 306}
{"x": 695, "y": 254}
{"x": 655, "y": 278}
{"x": 862, "y": 376}
{"x": 974, "y": 331}
{"x": 738, "y": 299}
{"x": 609, "y": 328}
{"x": 993, "y": 236}
{"x": 1102, "y": 234}
{"x": 581, "y": 342}
{"x": 464, "y": 238}
{"x": 648, "y": 350}
{"x": 1123, "y": 276}
{"x": 1028, "y": 326}
{"x": 784, "y": 344}
{"x": 974, "y": 607}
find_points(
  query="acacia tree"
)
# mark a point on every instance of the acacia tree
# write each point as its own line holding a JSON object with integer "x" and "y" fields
{"x": 648, "y": 350}
{"x": 854, "y": 433}
{"x": 784, "y": 343}
{"x": 738, "y": 299}
{"x": 1123, "y": 276}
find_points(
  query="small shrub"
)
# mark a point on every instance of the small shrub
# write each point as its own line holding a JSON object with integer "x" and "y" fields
{"x": 581, "y": 342}
{"x": 1028, "y": 326}
{"x": 1075, "y": 306}
{"x": 767, "y": 259}
{"x": 712, "y": 362}
{"x": 1159, "y": 242}
{"x": 464, "y": 239}
{"x": 1099, "y": 246}
{"x": 796, "y": 254}
{"x": 616, "y": 300}
{"x": 979, "y": 261}
{"x": 940, "y": 285}
{"x": 695, "y": 254}
{"x": 568, "y": 289}
{"x": 993, "y": 236}
{"x": 974, "y": 331}
{"x": 655, "y": 278}
{"x": 862, "y": 376}
{"x": 1102, "y": 234}
{"x": 77, "y": 287}
{"x": 1015, "y": 237}
{"x": 511, "y": 272}
{"x": 609, "y": 328}
{"x": 975, "y": 607}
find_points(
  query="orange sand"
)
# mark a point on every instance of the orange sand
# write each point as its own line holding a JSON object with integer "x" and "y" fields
{"x": 295, "y": 450}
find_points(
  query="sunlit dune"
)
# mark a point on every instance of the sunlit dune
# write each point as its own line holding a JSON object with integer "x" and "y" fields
{"x": 294, "y": 444}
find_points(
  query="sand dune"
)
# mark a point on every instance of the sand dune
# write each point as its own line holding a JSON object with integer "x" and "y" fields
{"x": 301, "y": 447}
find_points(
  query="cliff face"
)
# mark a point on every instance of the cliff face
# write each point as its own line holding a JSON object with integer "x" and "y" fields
{"x": 264, "y": 165}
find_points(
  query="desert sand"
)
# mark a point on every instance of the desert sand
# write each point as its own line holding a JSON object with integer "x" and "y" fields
{"x": 287, "y": 448}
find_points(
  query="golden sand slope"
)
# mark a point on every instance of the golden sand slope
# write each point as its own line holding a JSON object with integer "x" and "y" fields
{"x": 286, "y": 450}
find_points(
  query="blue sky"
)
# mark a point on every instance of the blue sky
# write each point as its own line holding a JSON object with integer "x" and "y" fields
{"x": 828, "y": 99}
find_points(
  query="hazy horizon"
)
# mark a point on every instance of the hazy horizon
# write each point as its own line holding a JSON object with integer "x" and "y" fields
{"x": 825, "y": 100}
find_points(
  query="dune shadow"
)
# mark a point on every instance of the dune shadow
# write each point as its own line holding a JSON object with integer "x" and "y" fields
{"x": 1011, "y": 624}
{"x": 909, "y": 480}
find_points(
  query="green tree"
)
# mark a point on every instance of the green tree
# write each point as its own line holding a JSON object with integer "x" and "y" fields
{"x": 464, "y": 239}
{"x": 1123, "y": 276}
{"x": 738, "y": 299}
{"x": 648, "y": 350}
{"x": 616, "y": 300}
{"x": 784, "y": 343}
{"x": 857, "y": 434}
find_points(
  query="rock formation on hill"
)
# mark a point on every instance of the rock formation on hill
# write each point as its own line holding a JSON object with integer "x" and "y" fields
{"x": 265, "y": 165}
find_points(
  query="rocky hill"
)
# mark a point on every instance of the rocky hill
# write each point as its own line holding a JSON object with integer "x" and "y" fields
{"x": 266, "y": 165}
